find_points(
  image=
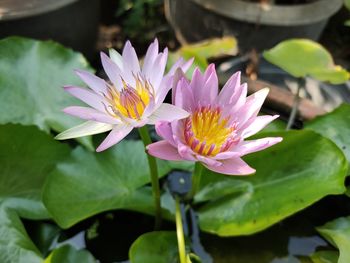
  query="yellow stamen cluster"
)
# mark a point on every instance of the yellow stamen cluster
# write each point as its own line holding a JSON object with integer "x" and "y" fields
{"x": 130, "y": 101}
{"x": 207, "y": 132}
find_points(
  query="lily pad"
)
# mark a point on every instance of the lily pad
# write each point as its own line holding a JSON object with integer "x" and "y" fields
{"x": 89, "y": 183}
{"x": 335, "y": 126}
{"x": 155, "y": 247}
{"x": 32, "y": 74}
{"x": 304, "y": 57}
{"x": 281, "y": 186}
{"x": 337, "y": 232}
{"x": 27, "y": 155}
{"x": 69, "y": 254}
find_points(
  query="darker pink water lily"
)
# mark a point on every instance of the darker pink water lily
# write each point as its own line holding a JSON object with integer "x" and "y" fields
{"x": 216, "y": 131}
{"x": 133, "y": 97}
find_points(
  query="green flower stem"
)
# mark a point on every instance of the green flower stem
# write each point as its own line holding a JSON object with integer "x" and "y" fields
{"x": 154, "y": 176}
{"x": 293, "y": 114}
{"x": 196, "y": 179}
{"x": 180, "y": 232}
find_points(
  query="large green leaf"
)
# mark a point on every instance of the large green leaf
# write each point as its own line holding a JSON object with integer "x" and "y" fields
{"x": 290, "y": 176}
{"x": 68, "y": 254}
{"x": 335, "y": 126}
{"x": 304, "y": 57}
{"x": 338, "y": 233}
{"x": 155, "y": 247}
{"x": 15, "y": 245}
{"x": 27, "y": 155}
{"x": 32, "y": 74}
{"x": 89, "y": 183}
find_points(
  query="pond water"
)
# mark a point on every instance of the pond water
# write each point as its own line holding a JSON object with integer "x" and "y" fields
{"x": 109, "y": 235}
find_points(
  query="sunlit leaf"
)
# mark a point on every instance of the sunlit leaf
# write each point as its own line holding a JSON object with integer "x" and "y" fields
{"x": 32, "y": 74}
{"x": 303, "y": 57}
{"x": 202, "y": 51}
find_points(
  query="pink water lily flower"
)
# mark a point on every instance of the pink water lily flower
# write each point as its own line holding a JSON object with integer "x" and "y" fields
{"x": 216, "y": 131}
{"x": 133, "y": 97}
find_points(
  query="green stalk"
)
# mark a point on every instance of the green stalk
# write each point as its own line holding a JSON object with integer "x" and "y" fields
{"x": 143, "y": 131}
{"x": 293, "y": 114}
{"x": 180, "y": 232}
{"x": 196, "y": 180}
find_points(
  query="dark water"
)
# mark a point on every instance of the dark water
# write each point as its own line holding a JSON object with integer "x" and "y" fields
{"x": 109, "y": 235}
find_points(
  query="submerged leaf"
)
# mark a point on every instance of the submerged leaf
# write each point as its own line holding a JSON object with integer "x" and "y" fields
{"x": 337, "y": 232}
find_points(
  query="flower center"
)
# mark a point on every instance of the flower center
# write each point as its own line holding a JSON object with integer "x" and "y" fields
{"x": 207, "y": 132}
{"x": 130, "y": 102}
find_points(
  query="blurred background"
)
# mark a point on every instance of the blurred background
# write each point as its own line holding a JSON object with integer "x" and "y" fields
{"x": 256, "y": 25}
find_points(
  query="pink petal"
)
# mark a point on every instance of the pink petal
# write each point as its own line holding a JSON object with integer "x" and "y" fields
{"x": 185, "y": 152}
{"x": 252, "y": 106}
{"x": 164, "y": 150}
{"x": 150, "y": 57}
{"x": 208, "y": 161}
{"x": 95, "y": 83}
{"x": 197, "y": 84}
{"x": 164, "y": 130}
{"x": 131, "y": 62}
{"x": 226, "y": 155}
{"x": 210, "y": 88}
{"x": 231, "y": 91}
{"x": 235, "y": 166}
{"x": 180, "y": 64}
{"x": 167, "y": 112}
{"x": 112, "y": 70}
{"x": 179, "y": 74}
{"x": 257, "y": 125}
{"x": 90, "y": 114}
{"x": 184, "y": 97}
{"x": 247, "y": 147}
{"x": 116, "y": 135}
{"x": 94, "y": 100}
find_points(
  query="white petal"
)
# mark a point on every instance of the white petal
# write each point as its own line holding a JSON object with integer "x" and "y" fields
{"x": 167, "y": 112}
{"x": 116, "y": 58}
{"x": 84, "y": 129}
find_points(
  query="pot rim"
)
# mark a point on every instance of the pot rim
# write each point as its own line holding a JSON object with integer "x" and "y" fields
{"x": 275, "y": 15}
{"x": 16, "y": 9}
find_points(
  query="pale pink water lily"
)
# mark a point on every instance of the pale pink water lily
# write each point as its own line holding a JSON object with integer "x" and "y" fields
{"x": 216, "y": 131}
{"x": 133, "y": 97}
